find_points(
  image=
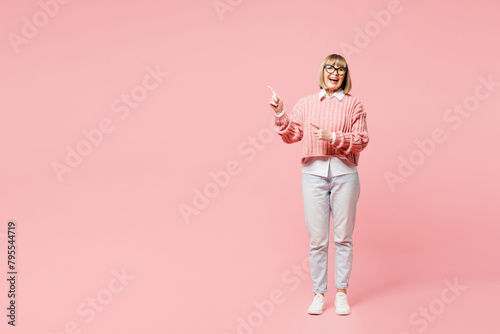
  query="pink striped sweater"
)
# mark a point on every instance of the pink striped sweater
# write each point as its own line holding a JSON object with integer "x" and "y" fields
{"x": 346, "y": 118}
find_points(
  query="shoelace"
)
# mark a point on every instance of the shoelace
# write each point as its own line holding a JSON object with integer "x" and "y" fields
{"x": 342, "y": 299}
{"x": 317, "y": 299}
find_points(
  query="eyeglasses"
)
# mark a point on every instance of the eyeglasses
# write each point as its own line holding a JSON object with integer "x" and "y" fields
{"x": 332, "y": 69}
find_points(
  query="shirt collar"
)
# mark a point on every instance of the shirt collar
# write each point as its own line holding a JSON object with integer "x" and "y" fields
{"x": 339, "y": 94}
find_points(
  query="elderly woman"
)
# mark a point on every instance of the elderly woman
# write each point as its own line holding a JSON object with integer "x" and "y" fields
{"x": 332, "y": 126}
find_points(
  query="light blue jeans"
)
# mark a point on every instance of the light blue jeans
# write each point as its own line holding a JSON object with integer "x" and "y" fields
{"x": 338, "y": 196}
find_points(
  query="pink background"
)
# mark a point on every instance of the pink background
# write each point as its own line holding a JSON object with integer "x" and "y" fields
{"x": 120, "y": 208}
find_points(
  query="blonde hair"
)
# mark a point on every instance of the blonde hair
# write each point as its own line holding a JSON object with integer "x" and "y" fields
{"x": 337, "y": 60}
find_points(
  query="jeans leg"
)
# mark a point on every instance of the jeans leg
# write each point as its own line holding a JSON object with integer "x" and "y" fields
{"x": 344, "y": 197}
{"x": 315, "y": 191}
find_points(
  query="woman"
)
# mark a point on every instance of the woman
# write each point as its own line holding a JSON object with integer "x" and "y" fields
{"x": 332, "y": 127}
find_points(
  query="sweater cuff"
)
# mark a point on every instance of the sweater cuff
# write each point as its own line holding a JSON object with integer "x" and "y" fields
{"x": 333, "y": 139}
{"x": 281, "y": 113}
{"x": 338, "y": 142}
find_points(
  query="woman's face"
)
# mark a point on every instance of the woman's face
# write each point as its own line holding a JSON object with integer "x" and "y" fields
{"x": 334, "y": 80}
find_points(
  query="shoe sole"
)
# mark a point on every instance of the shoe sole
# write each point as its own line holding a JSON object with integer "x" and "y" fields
{"x": 317, "y": 313}
{"x": 343, "y": 313}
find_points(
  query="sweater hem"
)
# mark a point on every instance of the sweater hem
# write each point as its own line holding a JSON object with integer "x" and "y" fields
{"x": 341, "y": 156}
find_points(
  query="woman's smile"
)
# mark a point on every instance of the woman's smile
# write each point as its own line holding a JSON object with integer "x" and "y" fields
{"x": 333, "y": 82}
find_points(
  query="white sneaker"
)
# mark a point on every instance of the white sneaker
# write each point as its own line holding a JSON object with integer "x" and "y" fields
{"x": 318, "y": 304}
{"x": 341, "y": 306}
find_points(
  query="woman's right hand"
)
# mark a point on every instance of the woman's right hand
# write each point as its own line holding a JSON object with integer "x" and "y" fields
{"x": 276, "y": 102}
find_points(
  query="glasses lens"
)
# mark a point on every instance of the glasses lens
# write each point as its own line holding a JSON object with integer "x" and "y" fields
{"x": 331, "y": 69}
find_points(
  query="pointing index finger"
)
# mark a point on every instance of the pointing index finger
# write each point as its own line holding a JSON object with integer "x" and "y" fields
{"x": 317, "y": 127}
{"x": 272, "y": 90}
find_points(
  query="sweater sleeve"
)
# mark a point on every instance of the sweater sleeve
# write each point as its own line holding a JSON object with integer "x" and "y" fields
{"x": 289, "y": 127}
{"x": 356, "y": 140}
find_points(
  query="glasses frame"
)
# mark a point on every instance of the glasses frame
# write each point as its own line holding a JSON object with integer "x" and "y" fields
{"x": 335, "y": 69}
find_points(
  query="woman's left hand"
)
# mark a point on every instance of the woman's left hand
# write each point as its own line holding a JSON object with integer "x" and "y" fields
{"x": 322, "y": 133}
